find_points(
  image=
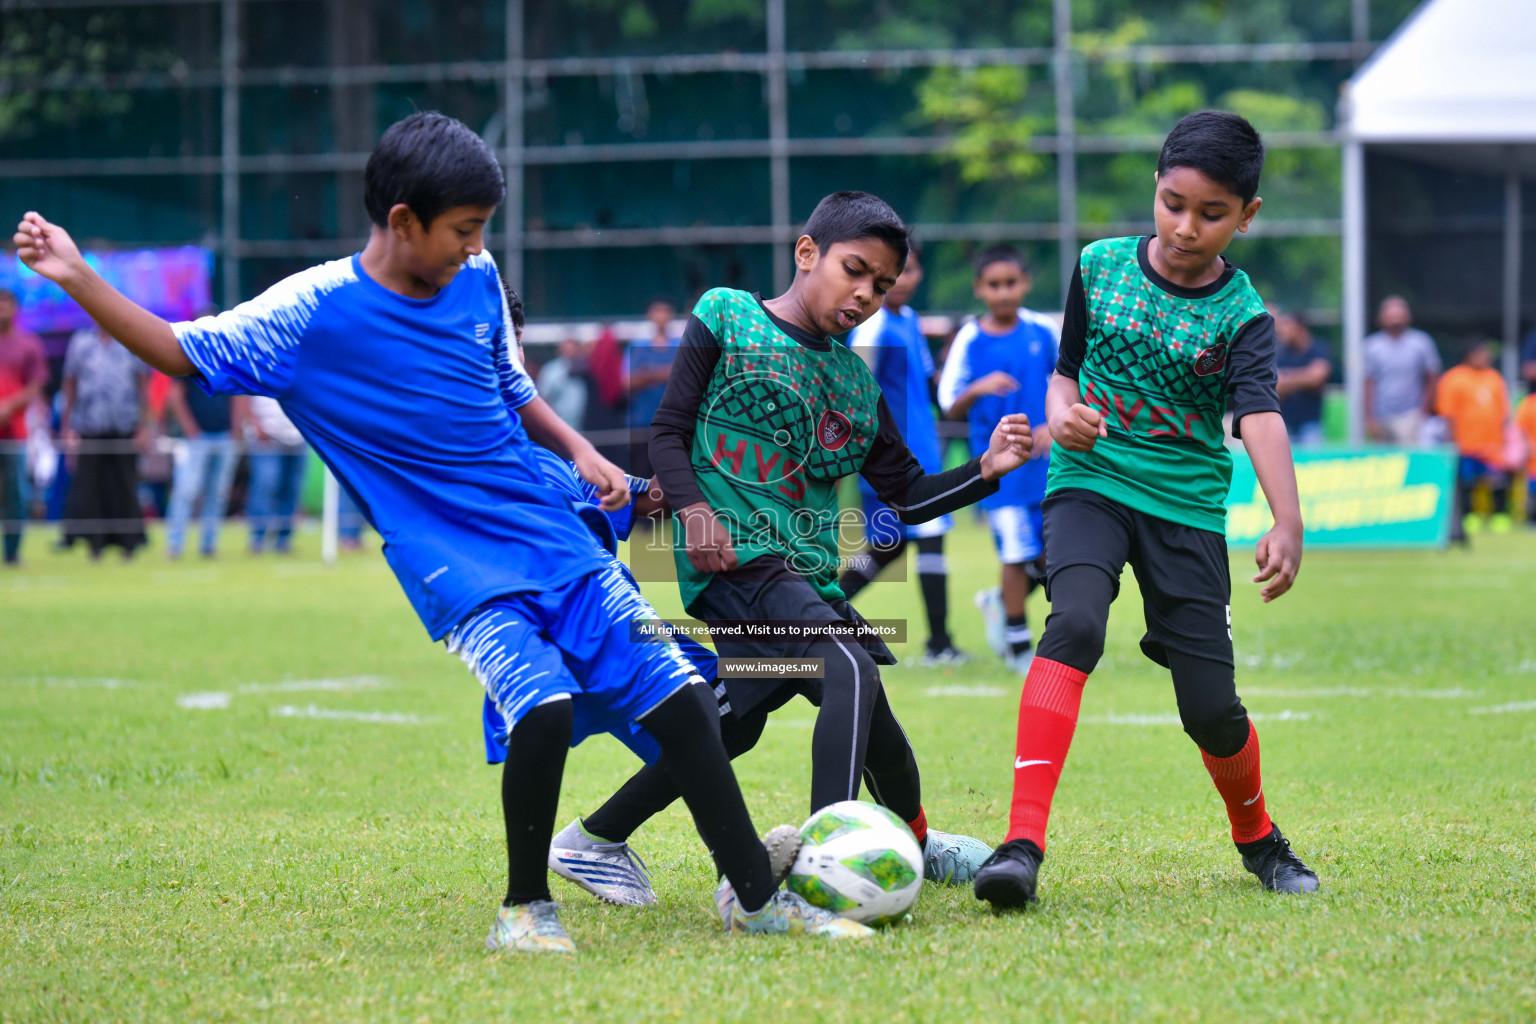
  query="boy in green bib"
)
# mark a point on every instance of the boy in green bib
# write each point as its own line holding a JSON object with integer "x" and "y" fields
{"x": 1161, "y": 337}
{"x": 763, "y": 415}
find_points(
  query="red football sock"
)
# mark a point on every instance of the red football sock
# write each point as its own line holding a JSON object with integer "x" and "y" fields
{"x": 1237, "y": 780}
{"x": 919, "y": 825}
{"x": 1048, "y": 708}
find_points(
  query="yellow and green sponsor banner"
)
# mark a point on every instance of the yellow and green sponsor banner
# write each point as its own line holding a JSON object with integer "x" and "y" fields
{"x": 1355, "y": 497}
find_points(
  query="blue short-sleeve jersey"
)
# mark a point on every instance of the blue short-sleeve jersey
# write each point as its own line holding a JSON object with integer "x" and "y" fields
{"x": 897, "y": 352}
{"x": 1027, "y": 354}
{"x": 412, "y": 404}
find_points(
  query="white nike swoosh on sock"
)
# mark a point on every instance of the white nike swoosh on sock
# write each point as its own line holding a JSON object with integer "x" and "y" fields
{"x": 1250, "y": 803}
{"x": 1019, "y": 762}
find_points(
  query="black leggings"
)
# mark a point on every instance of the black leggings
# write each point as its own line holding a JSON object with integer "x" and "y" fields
{"x": 693, "y": 761}
{"x": 1206, "y": 689}
{"x": 890, "y": 771}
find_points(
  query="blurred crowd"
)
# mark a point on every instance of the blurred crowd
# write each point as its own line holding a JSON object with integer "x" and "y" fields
{"x": 93, "y": 440}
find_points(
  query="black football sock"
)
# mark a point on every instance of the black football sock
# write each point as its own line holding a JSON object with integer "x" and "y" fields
{"x": 933, "y": 581}
{"x": 651, "y": 790}
{"x": 1020, "y": 639}
{"x": 685, "y": 726}
{"x": 530, "y": 796}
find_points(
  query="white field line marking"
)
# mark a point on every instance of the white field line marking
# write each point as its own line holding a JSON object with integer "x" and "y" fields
{"x": 213, "y": 700}
{"x": 377, "y": 717}
{"x": 1170, "y": 718}
{"x": 1504, "y": 709}
{"x": 1270, "y": 660}
{"x": 966, "y": 691}
{"x": 40, "y": 583}
{"x": 342, "y": 684}
{"x": 68, "y": 683}
{"x": 1400, "y": 692}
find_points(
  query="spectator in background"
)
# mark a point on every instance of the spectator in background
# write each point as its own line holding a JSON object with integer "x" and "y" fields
{"x": 1401, "y": 368}
{"x": 562, "y": 385}
{"x": 23, "y": 372}
{"x": 1528, "y": 360}
{"x": 279, "y": 458}
{"x": 1525, "y": 420}
{"x": 205, "y": 464}
{"x": 1305, "y": 366}
{"x": 607, "y": 404}
{"x": 106, "y": 404}
{"x": 1475, "y": 401}
{"x": 647, "y": 366}
{"x": 349, "y": 521}
{"x": 155, "y": 462}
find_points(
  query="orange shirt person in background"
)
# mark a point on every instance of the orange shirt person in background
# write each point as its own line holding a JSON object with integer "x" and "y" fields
{"x": 1475, "y": 400}
{"x": 1525, "y": 419}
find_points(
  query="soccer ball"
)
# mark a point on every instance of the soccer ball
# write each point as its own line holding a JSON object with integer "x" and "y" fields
{"x": 858, "y": 860}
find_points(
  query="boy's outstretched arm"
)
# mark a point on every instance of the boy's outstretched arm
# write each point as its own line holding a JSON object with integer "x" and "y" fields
{"x": 546, "y": 428}
{"x": 1279, "y": 551}
{"x": 48, "y": 250}
{"x": 917, "y": 497}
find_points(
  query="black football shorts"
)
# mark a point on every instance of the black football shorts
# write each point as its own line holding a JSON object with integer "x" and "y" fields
{"x": 1183, "y": 572}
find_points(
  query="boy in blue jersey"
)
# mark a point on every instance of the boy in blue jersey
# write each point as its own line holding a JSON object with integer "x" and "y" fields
{"x": 397, "y": 365}
{"x": 1000, "y": 364}
{"x": 892, "y": 343}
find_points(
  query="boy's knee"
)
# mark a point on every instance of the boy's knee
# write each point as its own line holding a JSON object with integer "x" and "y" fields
{"x": 1076, "y": 636}
{"x": 1222, "y": 735}
{"x": 847, "y": 669}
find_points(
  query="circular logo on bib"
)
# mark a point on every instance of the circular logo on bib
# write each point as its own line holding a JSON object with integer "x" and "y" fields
{"x": 1211, "y": 360}
{"x": 833, "y": 430}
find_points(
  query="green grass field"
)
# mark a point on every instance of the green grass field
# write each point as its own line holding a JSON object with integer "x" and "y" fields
{"x": 317, "y": 838}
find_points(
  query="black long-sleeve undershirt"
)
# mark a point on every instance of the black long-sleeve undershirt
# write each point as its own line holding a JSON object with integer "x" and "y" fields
{"x": 890, "y": 467}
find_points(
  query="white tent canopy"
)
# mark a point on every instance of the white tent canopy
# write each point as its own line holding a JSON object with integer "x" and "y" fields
{"x": 1458, "y": 71}
{"x": 1456, "y": 84}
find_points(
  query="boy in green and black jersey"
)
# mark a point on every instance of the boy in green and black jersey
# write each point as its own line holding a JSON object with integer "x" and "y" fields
{"x": 1161, "y": 337}
{"x": 763, "y": 415}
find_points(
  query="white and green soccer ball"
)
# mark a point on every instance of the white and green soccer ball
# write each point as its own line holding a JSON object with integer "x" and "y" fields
{"x": 858, "y": 860}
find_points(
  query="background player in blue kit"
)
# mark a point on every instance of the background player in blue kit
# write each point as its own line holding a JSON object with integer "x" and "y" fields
{"x": 398, "y": 366}
{"x": 1001, "y": 364}
{"x": 892, "y": 343}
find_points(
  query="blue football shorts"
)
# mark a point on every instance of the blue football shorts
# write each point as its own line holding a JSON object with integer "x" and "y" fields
{"x": 572, "y": 643}
{"x": 1016, "y": 532}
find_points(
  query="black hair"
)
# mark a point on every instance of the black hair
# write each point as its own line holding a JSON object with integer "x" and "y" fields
{"x": 1224, "y": 147}
{"x": 663, "y": 299}
{"x": 514, "y": 305}
{"x": 845, "y": 216}
{"x": 1001, "y": 254}
{"x": 431, "y": 163}
{"x": 914, "y": 246}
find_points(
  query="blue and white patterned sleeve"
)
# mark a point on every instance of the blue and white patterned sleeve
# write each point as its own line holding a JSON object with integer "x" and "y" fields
{"x": 517, "y": 388}
{"x": 251, "y": 349}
